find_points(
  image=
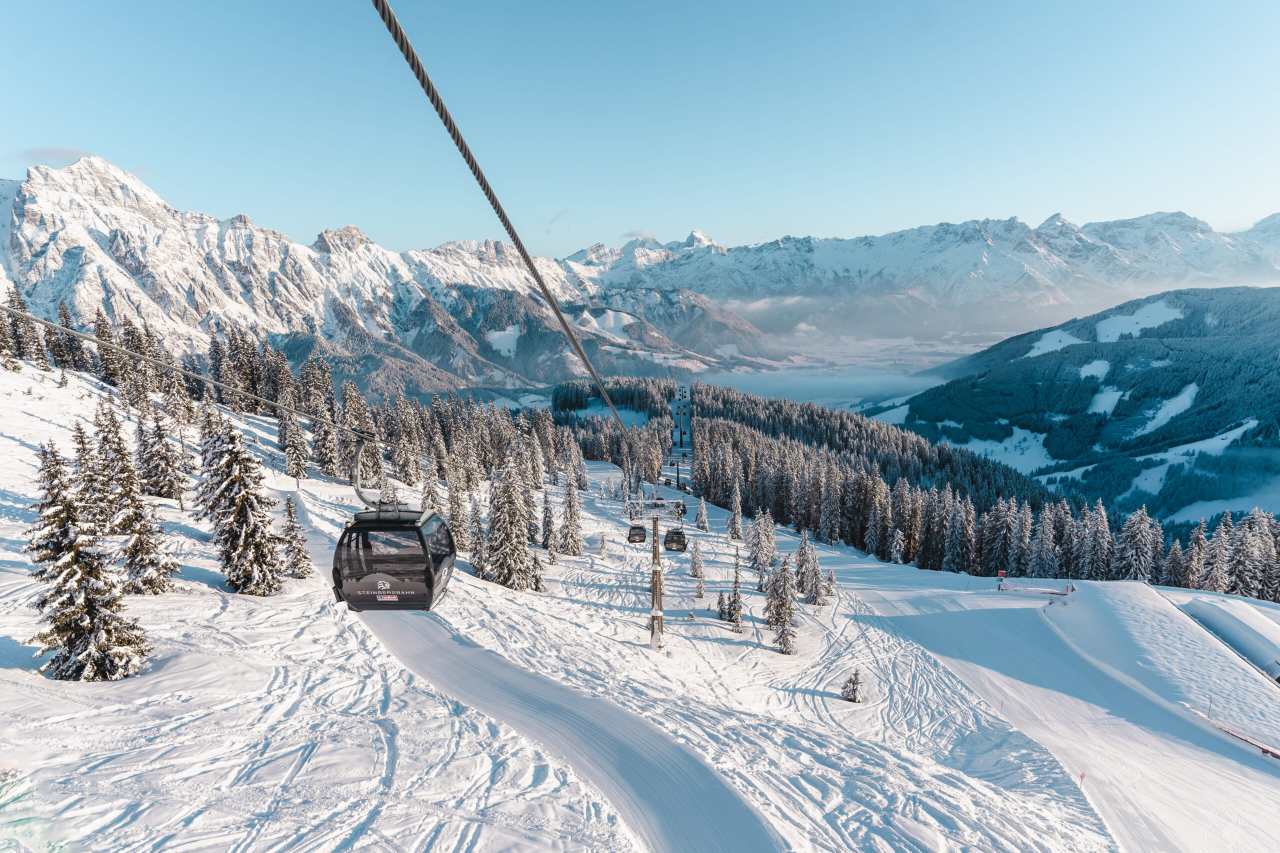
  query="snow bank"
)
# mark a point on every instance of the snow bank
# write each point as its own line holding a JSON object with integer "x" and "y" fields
{"x": 1241, "y": 624}
{"x": 1098, "y": 369}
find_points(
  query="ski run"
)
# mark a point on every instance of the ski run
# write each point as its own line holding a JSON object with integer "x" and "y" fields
{"x": 990, "y": 719}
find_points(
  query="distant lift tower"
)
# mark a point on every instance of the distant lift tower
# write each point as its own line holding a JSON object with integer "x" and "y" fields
{"x": 682, "y": 430}
{"x": 655, "y": 588}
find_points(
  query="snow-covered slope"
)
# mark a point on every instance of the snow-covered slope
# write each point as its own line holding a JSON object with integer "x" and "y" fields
{"x": 990, "y": 722}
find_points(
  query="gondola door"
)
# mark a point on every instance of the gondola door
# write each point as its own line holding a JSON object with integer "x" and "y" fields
{"x": 384, "y": 569}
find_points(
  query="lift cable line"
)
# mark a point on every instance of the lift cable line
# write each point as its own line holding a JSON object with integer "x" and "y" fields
{"x": 398, "y": 35}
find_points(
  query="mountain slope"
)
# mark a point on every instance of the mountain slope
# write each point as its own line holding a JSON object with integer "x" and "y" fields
{"x": 1165, "y": 400}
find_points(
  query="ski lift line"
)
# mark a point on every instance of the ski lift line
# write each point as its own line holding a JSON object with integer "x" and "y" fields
{"x": 207, "y": 380}
{"x": 410, "y": 55}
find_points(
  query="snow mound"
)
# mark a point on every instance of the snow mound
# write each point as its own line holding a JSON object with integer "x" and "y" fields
{"x": 1098, "y": 369}
{"x": 1240, "y": 624}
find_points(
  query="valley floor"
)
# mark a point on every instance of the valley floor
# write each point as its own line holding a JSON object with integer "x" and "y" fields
{"x": 994, "y": 721}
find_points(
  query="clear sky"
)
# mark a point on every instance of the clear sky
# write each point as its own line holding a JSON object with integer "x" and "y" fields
{"x": 597, "y": 120}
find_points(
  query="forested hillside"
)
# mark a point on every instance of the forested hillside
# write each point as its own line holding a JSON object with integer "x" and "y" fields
{"x": 1171, "y": 401}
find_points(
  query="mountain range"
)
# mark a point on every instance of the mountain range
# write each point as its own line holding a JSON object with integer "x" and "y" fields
{"x": 465, "y": 313}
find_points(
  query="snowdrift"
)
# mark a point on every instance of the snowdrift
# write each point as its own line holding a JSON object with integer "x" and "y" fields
{"x": 1242, "y": 624}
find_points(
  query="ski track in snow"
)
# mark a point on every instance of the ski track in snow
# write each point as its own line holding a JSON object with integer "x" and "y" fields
{"x": 289, "y": 723}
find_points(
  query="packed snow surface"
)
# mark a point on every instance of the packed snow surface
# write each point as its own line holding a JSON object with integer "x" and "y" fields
{"x": 521, "y": 721}
{"x": 1104, "y": 400}
{"x": 505, "y": 340}
{"x": 896, "y": 415}
{"x": 1052, "y": 342}
{"x": 1149, "y": 316}
{"x": 1250, "y": 627}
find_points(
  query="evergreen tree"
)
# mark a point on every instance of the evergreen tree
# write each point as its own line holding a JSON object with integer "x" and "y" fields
{"x": 231, "y": 496}
{"x": 1174, "y": 572}
{"x": 733, "y": 607}
{"x": 1133, "y": 548}
{"x": 27, "y": 342}
{"x": 324, "y": 443}
{"x": 852, "y": 689}
{"x": 93, "y": 494}
{"x": 1217, "y": 568}
{"x": 1044, "y": 553}
{"x": 508, "y": 547}
{"x": 108, "y": 356}
{"x": 1194, "y": 557}
{"x": 571, "y": 523}
{"x": 292, "y": 443}
{"x": 735, "y": 511}
{"x": 479, "y": 540}
{"x": 762, "y": 547}
{"x": 695, "y": 561}
{"x": 897, "y": 545}
{"x": 722, "y": 607}
{"x": 780, "y": 607}
{"x": 81, "y": 597}
{"x": 457, "y": 497}
{"x": 700, "y": 521}
{"x": 297, "y": 561}
{"x": 148, "y": 568}
{"x": 161, "y": 463}
{"x": 548, "y": 521}
{"x": 8, "y": 355}
{"x": 809, "y": 574}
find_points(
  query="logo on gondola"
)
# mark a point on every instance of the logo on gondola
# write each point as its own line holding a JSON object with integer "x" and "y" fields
{"x": 383, "y": 585}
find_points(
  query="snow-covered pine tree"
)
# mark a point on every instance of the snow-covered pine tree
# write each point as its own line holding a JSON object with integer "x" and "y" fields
{"x": 93, "y": 494}
{"x": 508, "y": 546}
{"x": 734, "y": 607}
{"x": 852, "y": 689}
{"x": 231, "y": 495}
{"x": 700, "y": 521}
{"x": 161, "y": 463}
{"x": 695, "y": 561}
{"x": 297, "y": 560}
{"x": 780, "y": 606}
{"x": 1217, "y": 567}
{"x": 809, "y": 574}
{"x": 734, "y": 526}
{"x": 548, "y": 521}
{"x": 722, "y": 608}
{"x": 571, "y": 524}
{"x": 762, "y": 546}
{"x": 479, "y": 540}
{"x": 535, "y": 574}
{"x": 292, "y": 443}
{"x": 148, "y": 567}
{"x": 324, "y": 443}
{"x": 1248, "y": 561}
{"x": 1174, "y": 570}
{"x": 897, "y": 546}
{"x": 459, "y": 524}
{"x": 1194, "y": 556}
{"x": 28, "y": 343}
{"x": 1044, "y": 553}
{"x": 8, "y": 355}
{"x": 108, "y": 356}
{"x": 1132, "y": 560}
{"x": 1101, "y": 543}
{"x": 829, "y": 583}
{"x": 80, "y": 599}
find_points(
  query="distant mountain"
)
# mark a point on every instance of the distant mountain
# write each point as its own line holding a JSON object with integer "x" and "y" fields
{"x": 465, "y": 313}
{"x": 1172, "y": 401}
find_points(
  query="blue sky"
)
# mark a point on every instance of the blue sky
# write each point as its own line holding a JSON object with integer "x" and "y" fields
{"x": 600, "y": 120}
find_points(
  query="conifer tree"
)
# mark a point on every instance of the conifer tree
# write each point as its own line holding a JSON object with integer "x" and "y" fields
{"x": 92, "y": 491}
{"x": 762, "y": 546}
{"x": 1174, "y": 571}
{"x": 231, "y": 496}
{"x": 508, "y": 546}
{"x": 571, "y": 524}
{"x": 8, "y": 355}
{"x": 733, "y": 606}
{"x": 161, "y": 464}
{"x": 701, "y": 521}
{"x": 459, "y": 524}
{"x": 548, "y": 521}
{"x": 735, "y": 511}
{"x": 148, "y": 568}
{"x": 808, "y": 573}
{"x": 722, "y": 608}
{"x": 780, "y": 607}
{"x": 1217, "y": 569}
{"x": 292, "y": 443}
{"x": 297, "y": 560}
{"x": 695, "y": 561}
{"x": 80, "y": 599}
{"x": 1194, "y": 556}
{"x": 1044, "y": 553}
{"x": 324, "y": 443}
{"x": 897, "y": 546}
{"x": 852, "y": 689}
{"x": 1133, "y": 548}
{"x": 72, "y": 348}
{"x": 108, "y": 356}
{"x": 479, "y": 540}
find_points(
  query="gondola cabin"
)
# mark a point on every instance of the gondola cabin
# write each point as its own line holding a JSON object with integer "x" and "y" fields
{"x": 636, "y": 534}
{"x": 393, "y": 559}
{"x": 675, "y": 540}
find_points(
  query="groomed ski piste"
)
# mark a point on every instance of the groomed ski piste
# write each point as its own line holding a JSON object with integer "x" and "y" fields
{"x": 994, "y": 720}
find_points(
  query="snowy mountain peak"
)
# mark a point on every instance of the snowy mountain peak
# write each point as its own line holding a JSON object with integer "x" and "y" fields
{"x": 346, "y": 238}
{"x": 697, "y": 238}
{"x": 93, "y": 177}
